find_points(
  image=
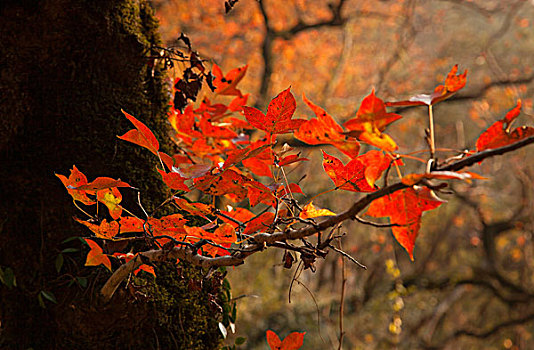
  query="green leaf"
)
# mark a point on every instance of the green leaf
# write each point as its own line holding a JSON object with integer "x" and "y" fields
{"x": 49, "y": 296}
{"x": 41, "y": 302}
{"x": 69, "y": 250}
{"x": 71, "y": 239}
{"x": 240, "y": 341}
{"x": 59, "y": 262}
{"x": 234, "y": 311}
{"x": 82, "y": 281}
{"x": 7, "y": 277}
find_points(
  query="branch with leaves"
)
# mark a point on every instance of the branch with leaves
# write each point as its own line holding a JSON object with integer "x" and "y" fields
{"x": 218, "y": 159}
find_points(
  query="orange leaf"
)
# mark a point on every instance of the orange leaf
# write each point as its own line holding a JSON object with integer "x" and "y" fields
{"x": 261, "y": 223}
{"x": 405, "y": 208}
{"x": 325, "y": 130}
{"x": 259, "y": 193}
{"x": 111, "y": 197}
{"x": 131, "y": 224}
{"x": 239, "y": 214}
{"x": 499, "y": 134}
{"x": 146, "y": 268}
{"x": 174, "y": 181}
{"x": 198, "y": 209}
{"x": 453, "y": 83}
{"x": 224, "y": 234}
{"x": 95, "y": 256}
{"x": 210, "y": 129}
{"x": 371, "y": 119}
{"x": 359, "y": 174}
{"x": 106, "y": 230}
{"x": 142, "y": 136}
{"x": 171, "y": 225}
{"x": 224, "y": 183}
{"x": 166, "y": 159}
{"x": 292, "y": 158}
{"x": 237, "y": 103}
{"x": 279, "y": 113}
{"x": 76, "y": 179}
{"x": 375, "y": 162}
{"x": 226, "y": 85}
{"x": 310, "y": 211}
{"x": 285, "y": 190}
{"x": 293, "y": 341}
{"x": 101, "y": 183}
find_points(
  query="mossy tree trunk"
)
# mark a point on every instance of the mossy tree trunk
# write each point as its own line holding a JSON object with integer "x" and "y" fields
{"x": 67, "y": 67}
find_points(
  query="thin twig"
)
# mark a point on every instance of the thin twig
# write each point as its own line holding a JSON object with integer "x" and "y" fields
{"x": 342, "y": 298}
{"x": 348, "y": 257}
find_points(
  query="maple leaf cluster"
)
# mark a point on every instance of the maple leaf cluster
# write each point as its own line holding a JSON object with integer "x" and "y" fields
{"x": 230, "y": 151}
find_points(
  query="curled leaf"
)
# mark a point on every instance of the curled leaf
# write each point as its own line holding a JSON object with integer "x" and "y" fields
{"x": 452, "y": 84}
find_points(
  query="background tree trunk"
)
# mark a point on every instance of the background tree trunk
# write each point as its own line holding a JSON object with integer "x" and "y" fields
{"x": 66, "y": 69}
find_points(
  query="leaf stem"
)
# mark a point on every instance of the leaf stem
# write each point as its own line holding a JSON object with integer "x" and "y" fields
{"x": 431, "y": 123}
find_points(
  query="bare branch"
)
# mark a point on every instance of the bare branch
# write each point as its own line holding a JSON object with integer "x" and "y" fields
{"x": 478, "y": 157}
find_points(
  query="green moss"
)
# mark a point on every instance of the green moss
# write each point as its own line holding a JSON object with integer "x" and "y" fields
{"x": 184, "y": 303}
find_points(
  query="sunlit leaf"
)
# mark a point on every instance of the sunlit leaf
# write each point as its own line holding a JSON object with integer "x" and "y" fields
{"x": 311, "y": 211}
{"x": 141, "y": 136}
{"x": 96, "y": 255}
{"x": 370, "y": 121}
{"x": 405, "y": 208}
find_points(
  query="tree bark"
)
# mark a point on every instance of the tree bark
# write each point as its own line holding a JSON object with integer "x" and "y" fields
{"x": 66, "y": 69}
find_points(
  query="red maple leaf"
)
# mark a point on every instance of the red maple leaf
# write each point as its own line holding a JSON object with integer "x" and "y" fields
{"x": 75, "y": 180}
{"x": 96, "y": 255}
{"x": 106, "y": 230}
{"x": 499, "y": 133}
{"x": 101, "y": 183}
{"x": 226, "y": 84}
{"x": 325, "y": 130}
{"x": 174, "y": 180}
{"x": 405, "y": 208}
{"x": 141, "y": 135}
{"x": 360, "y": 174}
{"x": 279, "y": 113}
{"x": 227, "y": 182}
{"x": 293, "y": 341}
{"x": 370, "y": 121}
{"x": 261, "y": 223}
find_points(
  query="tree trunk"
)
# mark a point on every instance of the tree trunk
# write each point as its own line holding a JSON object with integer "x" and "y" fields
{"x": 67, "y": 68}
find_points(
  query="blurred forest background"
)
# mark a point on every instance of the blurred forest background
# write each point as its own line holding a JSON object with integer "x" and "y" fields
{"x": 472, "y": 283}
